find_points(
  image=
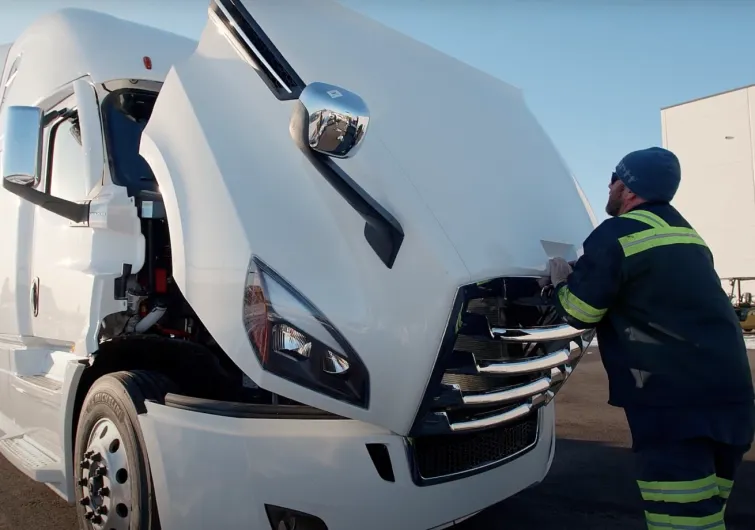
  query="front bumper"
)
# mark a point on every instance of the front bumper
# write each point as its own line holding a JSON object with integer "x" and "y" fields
{"x": 214, "y": 471}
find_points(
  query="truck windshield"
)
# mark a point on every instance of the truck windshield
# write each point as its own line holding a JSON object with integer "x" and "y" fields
{"x": 125, "y": 114}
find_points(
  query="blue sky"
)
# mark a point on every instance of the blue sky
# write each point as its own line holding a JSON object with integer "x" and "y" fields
{"x": 595, "y": 73}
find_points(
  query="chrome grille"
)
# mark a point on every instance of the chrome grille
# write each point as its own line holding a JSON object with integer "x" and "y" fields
{"x": 506, "y": 353}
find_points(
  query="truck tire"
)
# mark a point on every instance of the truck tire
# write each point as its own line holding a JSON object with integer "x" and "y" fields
{"x": 112, "y": 478}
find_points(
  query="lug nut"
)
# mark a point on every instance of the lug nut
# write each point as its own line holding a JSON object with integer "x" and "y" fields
{"x": 89, "y": 515}
{"x": 85, "y": 501}
{"x": 88, "y": 454}
{"x": 96, "y": 457}
{"x": 97, "y": 519}
{"x": 83, "y": 482}
{"x": 102, "y": 510}
{"x": 84, "y": 464}
{"x": 100, "y": 472}
{"x": 103, "y": 492}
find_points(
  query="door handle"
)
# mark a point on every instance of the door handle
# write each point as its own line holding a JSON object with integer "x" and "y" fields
{"x": 35, "y": 297}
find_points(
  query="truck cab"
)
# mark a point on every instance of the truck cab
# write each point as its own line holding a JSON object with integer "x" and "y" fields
{"x": 242, "y": 273}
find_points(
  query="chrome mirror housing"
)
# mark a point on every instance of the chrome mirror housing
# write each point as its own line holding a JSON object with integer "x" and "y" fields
{"x": 22, "y": 145}
{"x": 331, "y": 120}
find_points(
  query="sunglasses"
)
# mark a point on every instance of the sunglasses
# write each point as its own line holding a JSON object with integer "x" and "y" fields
{"x": 614, "y": 178}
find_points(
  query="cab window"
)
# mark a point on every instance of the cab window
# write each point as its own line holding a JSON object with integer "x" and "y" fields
{"x": 66, "y": 163}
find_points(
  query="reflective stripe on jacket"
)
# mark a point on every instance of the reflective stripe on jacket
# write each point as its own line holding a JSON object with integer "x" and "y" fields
{"x": 667, "y": 331}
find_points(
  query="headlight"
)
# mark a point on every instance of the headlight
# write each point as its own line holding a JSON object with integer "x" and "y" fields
{"x": 294, "y": 340}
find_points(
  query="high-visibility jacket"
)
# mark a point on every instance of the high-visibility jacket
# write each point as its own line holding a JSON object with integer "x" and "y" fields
{"x": 667, "y": 331}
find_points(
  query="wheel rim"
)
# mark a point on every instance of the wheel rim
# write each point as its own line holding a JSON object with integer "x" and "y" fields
{"x": 106, "y": 479}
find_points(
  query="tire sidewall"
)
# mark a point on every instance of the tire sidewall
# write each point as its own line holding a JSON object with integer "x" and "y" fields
{"x": 109, "y": 399}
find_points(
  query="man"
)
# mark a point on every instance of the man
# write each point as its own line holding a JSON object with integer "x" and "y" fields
{"x": 670, "y": 343}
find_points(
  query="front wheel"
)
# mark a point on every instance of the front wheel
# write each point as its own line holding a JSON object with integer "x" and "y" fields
{"x": 114, "y": 489}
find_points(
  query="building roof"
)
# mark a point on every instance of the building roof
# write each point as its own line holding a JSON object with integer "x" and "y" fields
{"x": 708, "y": 96}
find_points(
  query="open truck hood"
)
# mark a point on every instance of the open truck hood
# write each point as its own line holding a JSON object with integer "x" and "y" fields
{"x": 451, "y": 152}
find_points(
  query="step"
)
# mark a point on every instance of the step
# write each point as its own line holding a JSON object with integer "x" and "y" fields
{"x": 43, "y": 382}
{"x": 31, "y": 458}
{"x": 39, "y": 390}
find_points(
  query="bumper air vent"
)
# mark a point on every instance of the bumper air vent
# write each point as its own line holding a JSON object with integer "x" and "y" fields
{"x": 505, "y": 354}
{"x": 253, "y": 44}
{"x": 446, "y": 456}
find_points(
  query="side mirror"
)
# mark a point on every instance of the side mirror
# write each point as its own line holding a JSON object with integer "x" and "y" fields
{"x": 334, "y": 120}
{"x": 330, "y": 122}
{"x": 22, "y": 145}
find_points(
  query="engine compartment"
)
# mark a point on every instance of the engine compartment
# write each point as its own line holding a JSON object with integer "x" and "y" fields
{"x": 159, "y": 329}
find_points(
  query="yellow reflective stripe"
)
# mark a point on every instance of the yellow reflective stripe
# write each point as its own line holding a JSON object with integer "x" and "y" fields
{"x": 709, "y": 522}
{"x": 646, "y": 217}
{"x": 578, "y": 308}
{"x": 681, "y": 484}
{"x": 657, "y": 237}
{"x": 724, "y": 487}
{"x": 681, "y": 491}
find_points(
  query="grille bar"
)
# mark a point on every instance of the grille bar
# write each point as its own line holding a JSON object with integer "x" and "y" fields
{"x": 547, "y": 362}
{"x": 515, "y": 394}
{"x": 565, "y": 332}
{"x": 492, "y": 421}
{"x": 531, "y": 396}
{"x": 507, "y": 352}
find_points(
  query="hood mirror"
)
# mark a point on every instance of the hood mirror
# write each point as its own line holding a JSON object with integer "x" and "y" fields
{"x": 331, "y": 120}
{"x": 22, "y": 145}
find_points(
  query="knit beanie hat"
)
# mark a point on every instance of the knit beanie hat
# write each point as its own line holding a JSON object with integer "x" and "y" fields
{"x": 653, "y": 174}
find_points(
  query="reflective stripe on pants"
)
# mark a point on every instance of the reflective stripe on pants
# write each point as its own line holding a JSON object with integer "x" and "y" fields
{"x": 685, "y": 484}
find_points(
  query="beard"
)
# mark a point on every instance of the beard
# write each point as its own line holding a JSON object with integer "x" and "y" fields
{"x": 613, "y": 206}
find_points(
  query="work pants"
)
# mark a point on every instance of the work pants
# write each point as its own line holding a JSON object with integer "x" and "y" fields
{"x": 685, "y": 484}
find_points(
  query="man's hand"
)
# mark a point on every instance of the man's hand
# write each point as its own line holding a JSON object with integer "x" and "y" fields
{"x": 559, "y": 270}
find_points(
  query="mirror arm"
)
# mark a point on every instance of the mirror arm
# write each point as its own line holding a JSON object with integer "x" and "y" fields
{"x": 382, "y": 231}
{"x": 53, "y": 115}
{"x": 73, "y": 211}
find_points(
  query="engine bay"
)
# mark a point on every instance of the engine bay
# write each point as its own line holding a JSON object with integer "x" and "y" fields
{"x": 158, "y": 322}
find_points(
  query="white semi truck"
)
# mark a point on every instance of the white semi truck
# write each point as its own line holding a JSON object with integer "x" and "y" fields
{"x": 284, "y": 277}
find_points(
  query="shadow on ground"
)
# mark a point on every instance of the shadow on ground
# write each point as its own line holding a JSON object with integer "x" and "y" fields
{"x": 590, "y": 487}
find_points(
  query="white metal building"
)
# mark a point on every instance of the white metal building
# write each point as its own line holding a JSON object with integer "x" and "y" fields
{"x": 714, "y": 140}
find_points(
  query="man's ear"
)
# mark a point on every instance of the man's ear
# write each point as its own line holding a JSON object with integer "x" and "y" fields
{"x": 628, "y": 194}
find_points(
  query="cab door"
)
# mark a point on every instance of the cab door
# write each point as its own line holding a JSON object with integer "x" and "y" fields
{"x": 53, "y": 280}
{"x": 67, "y": 265}
{"x": 61, "y": 254}
{"x": 74, "y": 233}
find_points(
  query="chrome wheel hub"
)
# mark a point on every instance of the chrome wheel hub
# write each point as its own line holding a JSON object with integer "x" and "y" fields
{"x": 105, "y": 480}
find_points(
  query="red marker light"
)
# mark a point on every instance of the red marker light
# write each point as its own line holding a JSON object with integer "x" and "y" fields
{"x": 147, "y": 62}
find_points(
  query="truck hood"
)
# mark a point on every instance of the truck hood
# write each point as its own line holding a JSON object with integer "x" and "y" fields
{"x": 451, "y": 152}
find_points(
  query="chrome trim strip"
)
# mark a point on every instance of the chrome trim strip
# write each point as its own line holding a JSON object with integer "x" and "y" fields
{"x": 514, "y": 394}
{"x": 565, "y": 332}
{"x": 546, "y": 362}
{"x": 492, "y": 421}
{"x": 543, "y": 399}
{"x": 537, "y": 394}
